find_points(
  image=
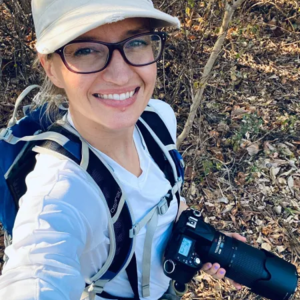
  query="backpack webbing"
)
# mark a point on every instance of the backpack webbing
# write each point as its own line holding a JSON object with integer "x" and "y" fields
{"x": 104, "y": 180}
{"x": 101, "y": 175}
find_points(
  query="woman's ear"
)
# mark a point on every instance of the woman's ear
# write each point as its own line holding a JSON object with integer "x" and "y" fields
{"x": 48, "y": 65}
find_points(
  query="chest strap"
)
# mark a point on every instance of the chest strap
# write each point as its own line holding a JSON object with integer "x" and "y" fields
{"x": 150, "y": 220}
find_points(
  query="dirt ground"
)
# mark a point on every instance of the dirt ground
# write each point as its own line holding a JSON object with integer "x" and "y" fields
{"x": 242, "y": 155}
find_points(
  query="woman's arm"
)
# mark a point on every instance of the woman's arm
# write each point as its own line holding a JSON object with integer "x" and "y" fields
{"x": 52, "y": 230}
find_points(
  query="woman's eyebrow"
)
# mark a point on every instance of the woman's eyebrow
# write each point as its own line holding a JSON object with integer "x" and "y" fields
{"x": 137, "y": 31}
{"x": 86, "y": 37}
{"x": 126, "y": 34}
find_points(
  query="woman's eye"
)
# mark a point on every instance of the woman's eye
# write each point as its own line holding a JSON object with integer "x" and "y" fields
{"x": 136, "y": 43}
{"x": 84, "y": 51}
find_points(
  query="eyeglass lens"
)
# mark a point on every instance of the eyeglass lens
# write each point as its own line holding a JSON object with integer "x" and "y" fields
{"x": 92, "y": 56}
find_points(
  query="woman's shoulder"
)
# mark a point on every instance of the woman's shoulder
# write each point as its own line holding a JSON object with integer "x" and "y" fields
{"x": 64, "y": 183}
{"x": 49, "y": 170}
{"x": 166, "y": 112}
{"x": 161, "y": 106}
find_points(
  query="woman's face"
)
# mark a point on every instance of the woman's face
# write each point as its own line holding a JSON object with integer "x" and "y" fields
{"x": 87, "y": 92}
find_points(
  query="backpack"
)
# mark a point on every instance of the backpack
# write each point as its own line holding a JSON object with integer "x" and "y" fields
{"x": 35, "y": 133}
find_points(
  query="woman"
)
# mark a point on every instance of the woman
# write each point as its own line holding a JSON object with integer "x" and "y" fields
{"x": 94, "y": 53}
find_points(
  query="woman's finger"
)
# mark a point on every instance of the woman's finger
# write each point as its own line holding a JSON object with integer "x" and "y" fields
{"x": 214, "y": 269}
{"x": 206, "y": 267}
{"x": 236, "y": 236}
{"x": 235, "y": 284}
{"x": 220, "y": 274}
{"x": 239, "y": 237}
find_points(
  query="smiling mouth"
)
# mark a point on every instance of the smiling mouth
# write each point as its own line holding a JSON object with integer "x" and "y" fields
{"x": 117, "y": 97}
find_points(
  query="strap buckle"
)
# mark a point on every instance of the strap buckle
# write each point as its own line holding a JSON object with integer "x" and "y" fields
{"x": 134, "y": 230}
{"x": 163, "y": 205}
{"x": 6, "y": 135}
{"x": 91, "y": 288}
{"x": 182, "y": 165}
{"x": 95, "y": 288}
{"x": 178, "y": 185}
{"x": 146, "y": 290}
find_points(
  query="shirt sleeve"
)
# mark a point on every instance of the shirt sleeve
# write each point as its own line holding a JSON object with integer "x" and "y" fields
{"x": 53, "y": 228}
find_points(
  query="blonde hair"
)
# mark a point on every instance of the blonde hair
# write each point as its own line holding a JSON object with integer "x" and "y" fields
{"x": 49, "y": 94}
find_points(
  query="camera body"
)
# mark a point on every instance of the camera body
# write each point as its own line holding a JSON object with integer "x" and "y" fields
{"x": 194, "y": 242}
{"x": 181, "y": 259}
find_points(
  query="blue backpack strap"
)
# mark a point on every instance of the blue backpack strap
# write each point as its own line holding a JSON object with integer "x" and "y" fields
{"x": 103, "y": 178}
{"x": 152, "y": 119}
{"x": 158, "y": 152}
{"x": 159, "y": 128}
{"x": 106, "y": 182}
{"x": 113, "y": 194}
{"x": 34, "y": 121}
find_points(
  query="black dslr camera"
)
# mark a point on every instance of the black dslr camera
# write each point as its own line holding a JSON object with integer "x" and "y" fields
{"x": 194, "y": 242}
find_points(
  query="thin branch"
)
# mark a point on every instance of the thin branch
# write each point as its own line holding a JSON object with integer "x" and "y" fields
{"x": 197, "y": 100}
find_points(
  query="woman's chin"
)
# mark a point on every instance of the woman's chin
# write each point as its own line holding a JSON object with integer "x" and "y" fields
{"x": 118, "y": 124}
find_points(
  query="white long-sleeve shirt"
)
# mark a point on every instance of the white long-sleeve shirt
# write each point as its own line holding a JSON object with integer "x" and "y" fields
{"x": 60, "y": 237}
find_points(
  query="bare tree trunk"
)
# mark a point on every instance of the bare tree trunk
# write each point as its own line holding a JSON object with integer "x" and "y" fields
{"x": 229, "y": 11}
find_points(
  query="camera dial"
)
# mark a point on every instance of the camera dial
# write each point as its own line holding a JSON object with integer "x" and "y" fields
{"x": 197, "y": 261}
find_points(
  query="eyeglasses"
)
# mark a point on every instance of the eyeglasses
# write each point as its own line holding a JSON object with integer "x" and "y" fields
{"x": 86, "y": 57}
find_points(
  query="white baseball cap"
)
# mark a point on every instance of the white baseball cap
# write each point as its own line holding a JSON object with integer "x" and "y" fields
{"x": 58, "y": 22}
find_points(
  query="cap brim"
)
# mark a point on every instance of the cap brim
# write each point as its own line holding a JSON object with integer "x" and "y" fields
{"x": 88, "y": 17}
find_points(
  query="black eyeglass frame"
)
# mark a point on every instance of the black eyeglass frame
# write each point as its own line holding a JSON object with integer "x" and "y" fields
{"x": 111, "y": 48}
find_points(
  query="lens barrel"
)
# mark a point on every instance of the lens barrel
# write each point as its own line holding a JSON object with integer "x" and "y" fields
{"x": 243, "y": 263}
{"x": 265, "y": 273}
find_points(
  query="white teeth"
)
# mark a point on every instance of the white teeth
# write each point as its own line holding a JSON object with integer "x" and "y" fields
{"x": 118, "y": 97}
{"x": 123, "y": 97}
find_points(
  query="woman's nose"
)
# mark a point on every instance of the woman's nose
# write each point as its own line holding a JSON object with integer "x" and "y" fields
{"x": 118, "y": 71}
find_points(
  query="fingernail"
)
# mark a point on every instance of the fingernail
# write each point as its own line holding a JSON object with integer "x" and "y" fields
{"x": 216, "y": 267}
{"x": 208, "y": 266}
{"x": 222, "y": 272}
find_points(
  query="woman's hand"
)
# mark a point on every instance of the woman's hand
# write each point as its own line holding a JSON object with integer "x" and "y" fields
{"x": 215, "y": 269}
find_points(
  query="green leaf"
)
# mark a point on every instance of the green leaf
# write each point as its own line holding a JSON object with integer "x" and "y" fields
{"x": 207, "y": 166}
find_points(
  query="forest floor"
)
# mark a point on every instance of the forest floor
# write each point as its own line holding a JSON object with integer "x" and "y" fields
{"x": 243, "y": 154}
